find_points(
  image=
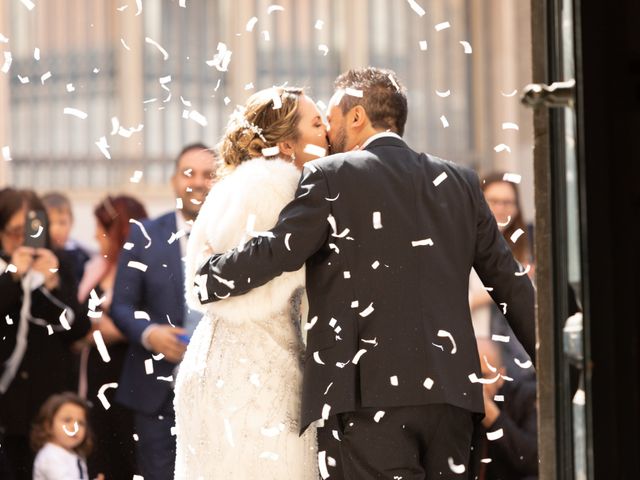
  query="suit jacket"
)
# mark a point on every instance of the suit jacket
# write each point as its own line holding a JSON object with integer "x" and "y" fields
{"x": 159, "y": 292}
{"x": 388, "y": 255}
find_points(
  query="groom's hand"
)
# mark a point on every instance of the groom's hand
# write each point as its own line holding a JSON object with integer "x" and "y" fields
{"x": 164, "y": 339}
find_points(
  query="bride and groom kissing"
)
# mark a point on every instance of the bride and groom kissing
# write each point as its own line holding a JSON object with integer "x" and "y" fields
{"x": 372, "y": 248}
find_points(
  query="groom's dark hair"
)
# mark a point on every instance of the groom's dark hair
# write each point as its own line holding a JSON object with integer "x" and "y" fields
{"x": 383, "y": 97}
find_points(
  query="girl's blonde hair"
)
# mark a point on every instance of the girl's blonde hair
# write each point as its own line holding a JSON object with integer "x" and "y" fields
{"x": 41, "y": 430}
{"x": 268, "y": 117}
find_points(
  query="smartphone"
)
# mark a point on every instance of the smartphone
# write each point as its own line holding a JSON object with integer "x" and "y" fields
{"x": 35, "y": 229}
{"x": 184, "y": 339}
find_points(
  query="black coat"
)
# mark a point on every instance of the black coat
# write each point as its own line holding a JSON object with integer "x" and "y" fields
{"x": 46, "y": 367}
{"x": 396, "y": 292}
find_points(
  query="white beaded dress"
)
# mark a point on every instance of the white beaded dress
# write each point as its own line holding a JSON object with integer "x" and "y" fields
{"x": 238, "y": 388}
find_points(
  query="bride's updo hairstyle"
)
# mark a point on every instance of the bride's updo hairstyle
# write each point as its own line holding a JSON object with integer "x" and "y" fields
{"x": 268, "y": 117}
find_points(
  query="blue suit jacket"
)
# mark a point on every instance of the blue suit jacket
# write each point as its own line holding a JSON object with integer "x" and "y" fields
{"x": 159, "y": 291}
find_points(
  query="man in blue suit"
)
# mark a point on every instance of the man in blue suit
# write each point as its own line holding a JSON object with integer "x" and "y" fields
{"x": 149, "y": 307}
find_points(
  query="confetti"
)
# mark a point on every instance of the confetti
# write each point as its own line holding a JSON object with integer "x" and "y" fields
{"x": 101, "y": 395}
{"x": 509, "y": 94}
{"x": 265, "y": 34}
{"x": 354, "y": 92}
{"x": 501, "y": 148}
{"x": 375, "y": 264}
{"x": 347, "y": 274}
{"x": 6, "y": 153}
{"x": 416, "y": 8}
{"x": 445, "y": 334}
{"x": 275, "y": 8}
{"x": 322, "y": 464}
{"x": 275, "y": 97}
{"x": 49, "y": 329}
{"x": 248, "y": 86}
{"x": 505, "y": 223}
{"x": 355, "y": 304}
{"x": 523, "y": 272}
{"x": 367, "y": 311}
{"x": 75, "y": 112}
{"x": 309, "y": 325}
{"x": 428, "y": 383}
{"x": 420, "y": 243}
{"x": 489, "y": 366}
{"x": 456, "y": 468}
{"x": 325, "y": 411}
{"x": 124, "y": 44}
{"x": 141, "y": 315}
{"x": 500, "y": 338}
{"x": 504, "y": 308}
{"x": 38, "y": 233}
{"x": 442, "y": 26}
{"x": 467, "y": 47}
{"x": 198, "y": 118}
{"x": 473, "y": 378}
{"x": 443, "y": 94}
{"x": 495, "y": 435}
{"x": 510, "y": 126}
{"x": 512, "y": 177}
{"x": 151, "y": 41}
{"x": 394, "y": 380}
{"x": 377, "y": 222}
{"x": 332, "y": 221}
{"x": 378, "y": 416}
{"x": 8, "y": 319}
{"x": 315, "y": 150}
{"x": 23, "y": 80}
{"x": 318, "y": 25}
{"x": 178, "y": 203}
{"x": 3, "y": 39}
{"x": 323, "y": 48}
{"x": 440, "y": 178}
{"x": 63, "y": 320}
{"x": 104, "y": 147}
{"x": 102, "y": 348}
{"x": 423, "y": 45}
{"x": 122, "y": 8}
{"x": 182, "y": 3}
{"x": 445, "y": 122}
{"x": 185, "y": 102}
{"x": 137, "y": 265}
{"x": 251, "y": 23}
{"x": 221, "y": 59}
{"x": 328, "y": 387}
{"x": 357, "y": 356}
{"x": 228, "y": 432}
{"x": 228, "y": 283}
{"x": 143, "y": 231}
{"x": 498, "y": 398}
{"x": 28, "y": 3}
{"x": 136, "y": 177}
{"x": 516, "y": 235}
{"x": 525, "y": 365}
{"x": 148, "y": 366}
{"x": 7, "y": 62}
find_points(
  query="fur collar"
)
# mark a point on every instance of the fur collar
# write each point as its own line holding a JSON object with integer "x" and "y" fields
{"x": 249, "y": 198}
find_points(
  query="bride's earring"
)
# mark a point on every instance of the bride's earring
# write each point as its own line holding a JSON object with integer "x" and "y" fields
{"x": 293, "y": 157}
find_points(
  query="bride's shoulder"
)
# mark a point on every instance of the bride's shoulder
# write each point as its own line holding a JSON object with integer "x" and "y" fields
{"x": 260, "y": 169}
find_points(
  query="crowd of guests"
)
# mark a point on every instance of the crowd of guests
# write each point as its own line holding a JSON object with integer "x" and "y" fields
{"x": 74, "y": 323}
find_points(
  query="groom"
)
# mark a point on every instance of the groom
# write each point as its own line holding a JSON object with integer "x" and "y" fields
{"x": 388, "y": 237}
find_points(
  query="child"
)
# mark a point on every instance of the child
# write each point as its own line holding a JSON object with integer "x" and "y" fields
{"x": 62, "y": 438}
{"x": 60, "y": 223}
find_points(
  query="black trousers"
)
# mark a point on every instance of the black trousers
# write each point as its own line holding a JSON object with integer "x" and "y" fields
{"x": 425, "y": 442}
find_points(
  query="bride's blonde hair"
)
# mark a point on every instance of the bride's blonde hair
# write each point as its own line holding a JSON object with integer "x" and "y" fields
{"x": 260, "y": 124}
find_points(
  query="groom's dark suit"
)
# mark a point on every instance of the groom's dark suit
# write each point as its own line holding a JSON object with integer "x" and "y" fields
{"x": 387, "y": 279}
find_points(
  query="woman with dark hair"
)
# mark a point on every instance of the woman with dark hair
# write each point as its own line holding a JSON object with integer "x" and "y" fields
{"x": 114, "y": 452}
{"x": 39, "y": 319}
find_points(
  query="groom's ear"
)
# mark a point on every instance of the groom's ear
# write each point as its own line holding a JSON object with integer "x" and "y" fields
{"x": 358, "y": 117}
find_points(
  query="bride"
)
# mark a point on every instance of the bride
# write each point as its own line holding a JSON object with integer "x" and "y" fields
{"x": 237, "y": 394}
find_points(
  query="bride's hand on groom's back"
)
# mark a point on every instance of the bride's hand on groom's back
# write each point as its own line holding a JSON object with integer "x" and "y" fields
{"x": 164, "y": 339}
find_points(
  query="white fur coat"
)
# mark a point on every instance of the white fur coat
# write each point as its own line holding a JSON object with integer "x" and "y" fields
{"x": 259, "y": 188}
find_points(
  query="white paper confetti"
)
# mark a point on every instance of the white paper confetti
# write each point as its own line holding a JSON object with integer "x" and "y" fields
{"x": 357, "y": 356}
{"x": 318, "y": 25}
{"x": 428, "y": 383}
{"x": 148, "y": 366}
{"x": 101, "y": 395}
{"x": 504, "y": 224}
{"x": 221, "y": 59}
{"x": 521, "y": 364}
{"x": 394, "y": 380}
{"x": 63, "y": 320}
{"x": 445, "y": 334}
{"x": 516, "y": 235}
{"x": 137, "y": 265}
{"x": 3, "y": 39}
{"x": 326, "y": 409}
{"x": 510, "y": 126}
{"x": 7, "y": 62}
{"x": 500, "y": 338}
{"x": 473, "y": 378}
{"x": 136, "y": 177}
{"x": 101, "y": 346}
{"x": 423, "y": 45}
{"x": 445, "y": 122}
{"x": 377, "y": 221}
{"x": 375, "y": 264}
{"x": 440, "y": 178}
{"x": 315, "y": 150}
{"x": 523, "y": 272}
{"x": 8, "y": 319}
{"x": 467, "y": 47}
{"x": 458, "y": 469}
{"x": 228, "y": 432}
{"x": 489, "y": 366}
{"x": 512, "y": 177}
{"x": 104, "y": 147}
{"x": 378, "y": 416}
{"x": 420, "y": 243}
{"x": 354, "y": 92}
{"x": 511, "y": 94}
{"x": 251, "y": 23}
{"x": 265, "y": 34}
{"x": 28, "y": 3}
{"x": 443, "y": 94}
{"x": 416, "y": 8}
{"x": 151, "y": 41}
{"x": 324, "y": 49}
{"x": 322, "y": 464}
{"x": 309, "y": 325}
{"x": 75, "y": 112}
{"x": 495, "y": 435}
{"x": 23, "y": 80}
{"x": 198, "y": 118}
{"x": 355, "y": 304}
{"x": 502, "y": 148}
{"x": 334, "y": 227}
{"x": 182, "y": 3}
{"x": 442, "y": 26}
{"x": 143, "y": 230}
{"x": 367, "y": 311}
{"x": 6, "y": 153}
{"x": 141, "y": 315}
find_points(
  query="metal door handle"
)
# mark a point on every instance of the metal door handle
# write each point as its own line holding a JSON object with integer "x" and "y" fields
{"x": 558, "y": 94}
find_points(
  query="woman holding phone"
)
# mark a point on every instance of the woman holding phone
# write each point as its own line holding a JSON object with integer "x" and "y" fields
{"x": 39, "y": 318}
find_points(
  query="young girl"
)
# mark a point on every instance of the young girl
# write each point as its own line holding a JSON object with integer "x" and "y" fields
{"x": 62, "y": 438}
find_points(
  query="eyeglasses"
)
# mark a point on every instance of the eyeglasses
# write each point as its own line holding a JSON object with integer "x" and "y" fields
{"x": 16, "y": 232}
{"x": 500, "y": 202}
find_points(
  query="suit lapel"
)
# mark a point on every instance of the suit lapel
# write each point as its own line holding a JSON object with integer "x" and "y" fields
{"x": 174, "y": 261}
